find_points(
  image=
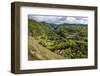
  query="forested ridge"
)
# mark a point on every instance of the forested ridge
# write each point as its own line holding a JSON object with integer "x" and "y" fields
{"x": 70, "y": 41}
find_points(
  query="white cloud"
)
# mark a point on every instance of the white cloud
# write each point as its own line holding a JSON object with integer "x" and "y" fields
{"x": 71, "y": 19}
{"x": 82, "y": 22}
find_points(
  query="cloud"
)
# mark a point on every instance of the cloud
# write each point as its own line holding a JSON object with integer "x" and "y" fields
{"x": 60, "y": 19}
{"x": 71, "y": 19}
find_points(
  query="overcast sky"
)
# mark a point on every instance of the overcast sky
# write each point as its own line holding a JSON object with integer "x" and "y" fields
{"x": 60, "y": 19}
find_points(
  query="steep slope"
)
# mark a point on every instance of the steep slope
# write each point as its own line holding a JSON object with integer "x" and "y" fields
{"x": 38, "y": 28}
{"x": 39, "y": 52}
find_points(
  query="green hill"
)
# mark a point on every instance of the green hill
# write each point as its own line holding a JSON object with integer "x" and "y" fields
{"x": 52, "y": 41}
{"x": 39, "y": 28}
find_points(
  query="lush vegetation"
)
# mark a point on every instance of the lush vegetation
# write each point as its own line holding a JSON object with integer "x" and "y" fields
{"x": 67, "y": 40}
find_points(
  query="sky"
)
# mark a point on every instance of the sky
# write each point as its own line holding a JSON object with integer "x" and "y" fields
{"x": 60, "y": 19}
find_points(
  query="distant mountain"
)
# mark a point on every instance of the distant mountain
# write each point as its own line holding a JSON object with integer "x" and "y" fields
{"x": 40, "y": 28}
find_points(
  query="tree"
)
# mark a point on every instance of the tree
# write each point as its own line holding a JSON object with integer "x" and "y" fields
{"x": 68, "y": 53}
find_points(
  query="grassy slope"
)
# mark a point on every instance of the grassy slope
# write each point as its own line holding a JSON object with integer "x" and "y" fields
{"x": 39, "y": 52}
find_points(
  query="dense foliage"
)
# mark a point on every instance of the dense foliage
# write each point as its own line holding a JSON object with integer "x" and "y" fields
{"x": 68, "y": 40}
